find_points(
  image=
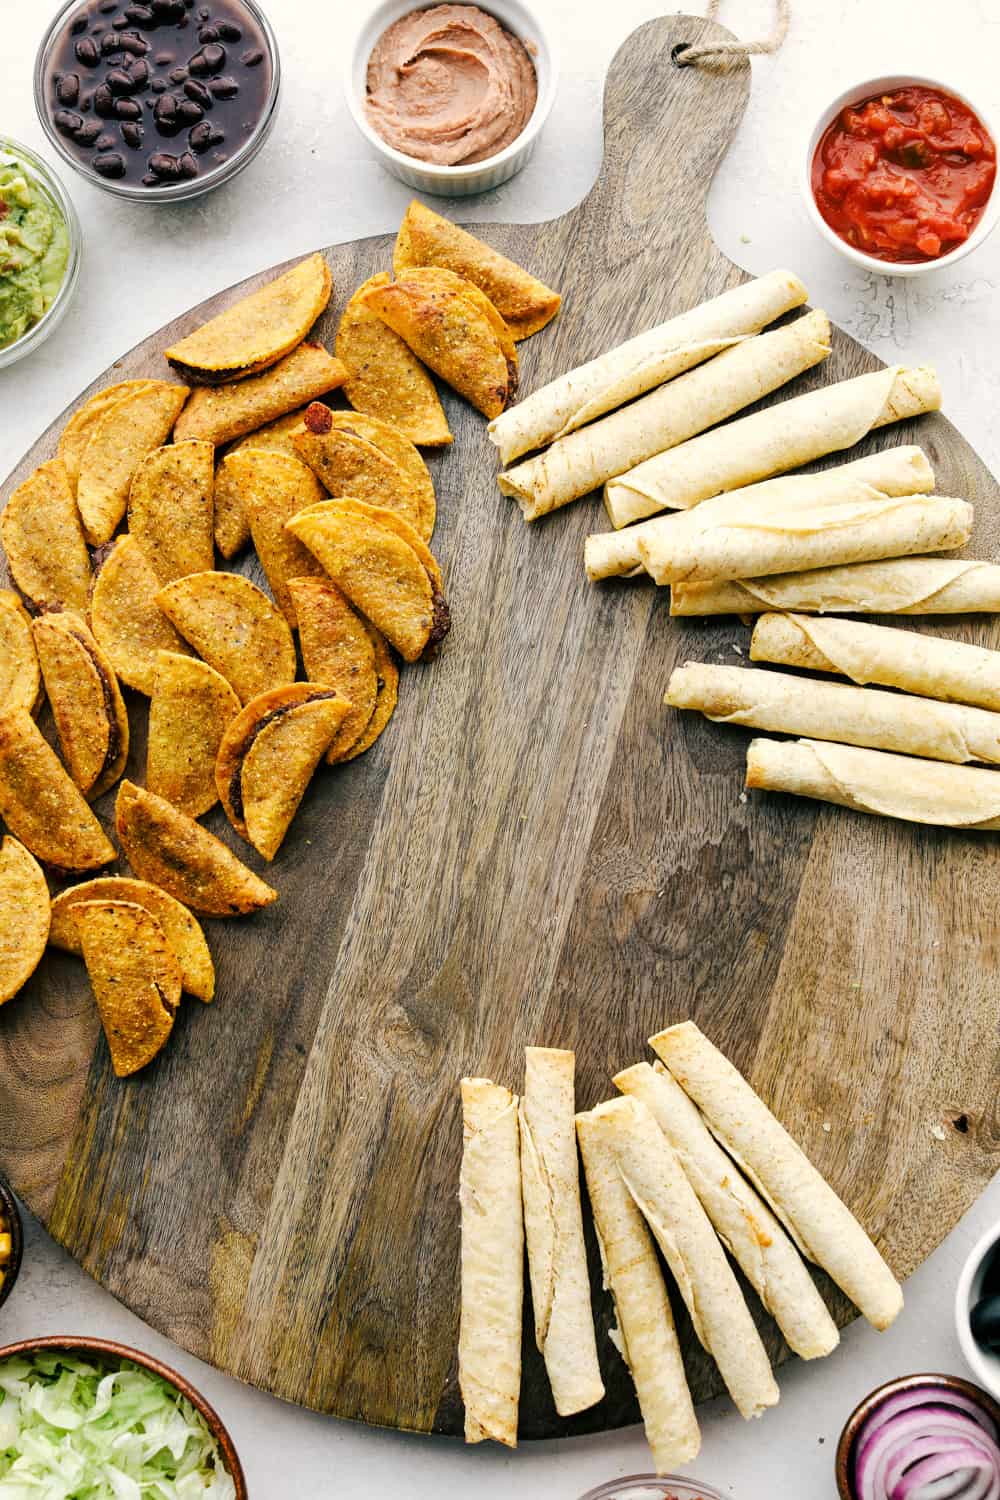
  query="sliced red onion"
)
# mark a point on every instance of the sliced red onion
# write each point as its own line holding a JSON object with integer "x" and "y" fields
{"x": 929, "y": 1443}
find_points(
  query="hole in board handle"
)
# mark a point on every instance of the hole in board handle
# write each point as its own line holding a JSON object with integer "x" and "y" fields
{"x": 676, "y": 51}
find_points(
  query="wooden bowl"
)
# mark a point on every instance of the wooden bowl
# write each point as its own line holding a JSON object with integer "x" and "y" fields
{"x": 12, "y": 1216}
{"x": 111, "y": 1351}
{"x": 865, "y": 1408}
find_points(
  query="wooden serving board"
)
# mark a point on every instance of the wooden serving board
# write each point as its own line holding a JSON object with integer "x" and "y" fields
{"x": 535, "y": 852}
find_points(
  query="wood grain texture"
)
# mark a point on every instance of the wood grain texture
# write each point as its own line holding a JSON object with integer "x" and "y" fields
{"x": 535, "y": 853}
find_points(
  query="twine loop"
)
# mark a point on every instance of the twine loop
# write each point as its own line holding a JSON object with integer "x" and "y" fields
{"x": 685, "y": 55}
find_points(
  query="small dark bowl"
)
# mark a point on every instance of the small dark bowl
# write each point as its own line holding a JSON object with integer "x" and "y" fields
{"x": 111, "y": 1351}
{"x": 845, "y": 1447}
{"x": 11, "y": 1215}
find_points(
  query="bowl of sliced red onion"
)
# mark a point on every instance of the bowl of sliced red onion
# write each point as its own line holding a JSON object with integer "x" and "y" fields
{"x": 923, "y": 1437}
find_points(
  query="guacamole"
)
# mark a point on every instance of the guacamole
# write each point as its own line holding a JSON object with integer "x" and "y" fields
{"x": 34, "y": 251}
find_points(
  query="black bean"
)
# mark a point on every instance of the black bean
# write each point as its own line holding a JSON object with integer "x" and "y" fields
{"x": 88, "y": 132}
{"x": 132, "y": 134}
{"x": 189, "y": 167}
{"x": 178, "y": 75}
{"x": 68, "y": 88}
{"x": 228, "y": 32}
{"x": 128, "y": 109}
{"x": 159, "y": 86}
{"x": 86, "y": 52}
{"x": 150, "y": 180}
{"x": 168, "y": 122}
{"x": 252, "y": 57}
{"x": 211, "y": 59}
{"x": 140, "y": 15}
{"x": 168, "y": 10}
{"x": 110, "y": 42}
{"x": 105, "y": 141}
{"x": 164, "y": 59}
{"x": 120, "y": 82}
{"x": 79, "y": 24}
{"x": 104, "y": 101}
{"x": 164, "y": 165}
{"x": 224, "y": 88}
{"x": 110, "y": 164}
{"x": 204, "y": 136}
{"x": 134, "y": 43}
{"x": 139, "y": 73}
{"x": 198, "y": 92}
{"x": 190, "y": 112}
{"x": 207, "y": 34}
{"x": 67, "y": 122}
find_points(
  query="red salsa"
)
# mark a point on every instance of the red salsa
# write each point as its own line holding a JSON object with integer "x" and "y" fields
{"x": 904, "y": 176}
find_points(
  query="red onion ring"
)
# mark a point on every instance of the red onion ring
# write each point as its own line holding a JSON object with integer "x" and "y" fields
{"x": 931, "y": 1443}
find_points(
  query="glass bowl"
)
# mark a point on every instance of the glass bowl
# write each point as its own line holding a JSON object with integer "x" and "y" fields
{"x": 168, "y": 192}
{"x": 651, "y": 1487}
{"x": 11, "y": 1215}
{"x": 45, "y": 178}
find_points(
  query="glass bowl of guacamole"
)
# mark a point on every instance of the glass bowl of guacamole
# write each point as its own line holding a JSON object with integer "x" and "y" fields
{"x": 39, "y": 250}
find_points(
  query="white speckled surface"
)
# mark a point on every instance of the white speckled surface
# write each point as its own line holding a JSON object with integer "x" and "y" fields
{"x": 316, "y": 182}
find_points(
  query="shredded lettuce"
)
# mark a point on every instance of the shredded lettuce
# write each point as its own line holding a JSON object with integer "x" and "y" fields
{"x": 70, "y": 1430}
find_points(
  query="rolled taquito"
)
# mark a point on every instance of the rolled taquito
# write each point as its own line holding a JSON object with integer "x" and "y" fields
{"x": 879, "y": 476}
{"x": 821, "y": 1224}
{"x": 643, "y": 362}
{"x": 646, "y": 1335}
{"x": 923, "y": 664}
{"x": 871, "y": 781}
{"x": 902, "y": 586}
{"x": 742, "y": 1220}
{"x": 553, "y": 1227}
{"x": 817, "y": 710}
{"x": 489, "y": 1344}
{"x": 783, "y": 436}
{"x": 654, "y": 1177}
{"x": 582, "y": 460}
{"x": 822, "y": 535}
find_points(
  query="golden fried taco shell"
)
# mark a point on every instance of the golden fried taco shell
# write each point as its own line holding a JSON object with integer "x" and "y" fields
{"x": 20, "y": 677}
{"x": 125, "y": 618}
{"x": 44, "y": 542}
{"x": 438, "y": 277}
{"x": 24, "y": 917}
{"x": 135, "y": 976}
{"x": 234, "y": 627}
{"x": 126, "y": 432}
{"x": 87, "y": 705}
{"x": 218, "y": 414}
{"x": 384, "y": 377}
{"x": 398, "y": 448}
{"x": 40, "y": 804}
{"x": 386, "y": 694}
{"x": 349, "y": 465}
{"x": 76, "y": 434}
{"x": 191, "y": 706}
{"x": 338, "y": 650}
{"x": 181, "y": 929}
{"x": 272, "y": 487}
{"x": 170, "y": 508}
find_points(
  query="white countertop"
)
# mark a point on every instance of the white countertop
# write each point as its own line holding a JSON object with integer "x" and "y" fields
{"x": 316, "y": 182}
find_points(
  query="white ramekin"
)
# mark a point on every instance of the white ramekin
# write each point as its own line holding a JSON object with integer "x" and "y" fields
{"x": 473, "y": 177}
{"x": 984, "y": 1363}
{"x": 865, "y": 90}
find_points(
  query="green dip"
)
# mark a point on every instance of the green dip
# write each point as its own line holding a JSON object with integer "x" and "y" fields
{"x": 34, "y": 250}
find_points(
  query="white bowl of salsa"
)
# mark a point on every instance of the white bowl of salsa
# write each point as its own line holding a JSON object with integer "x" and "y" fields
{"x": 900, "y": 174}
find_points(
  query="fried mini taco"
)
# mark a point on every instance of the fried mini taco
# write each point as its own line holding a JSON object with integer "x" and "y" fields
{"x": 349, "y": 465}
{"x": 439, "y": 278}
{"x": 44, "y": 542}
{"x": 234, "y": 627}
{"x": 169, "y": 849}
{"x": 218, "y": 414}
{"x": 76, "y": 434}
{"x": 40, "y": 804}
{"x": 190, "y": 708}
{"x": 450, "y": 332}
{"x": 170, "y": 508}
{"x": 426, "y": 239}
{"x": 232, "y": 524}
{"x": 135, "y": 976}
{"x": 384, "y": 377}
{"x": 338, "y": 650}
{"x": 271, "y": 488}
{"x": 20, "y": 678}
{"x": 268, "y": 755}
{"x": 386, "y": 694}
{"x": 182, "y": 931}
{"x": 397, "y": 447}
{"x": 24, "y": 917}
{"x": 124, "y": 616}
{"x": 258, "y": 329}
{"x": 87, "y": 705}
{"x": 120, "y": 440}
{"x": 384, "y": 569}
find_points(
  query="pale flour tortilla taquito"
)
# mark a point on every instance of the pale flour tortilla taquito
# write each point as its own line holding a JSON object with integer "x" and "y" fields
{"x": 784, "y": 436}
{"x": 489, "y": 1344}
{"x": 646, "y": 1336}
{"x": 880, "y": 476}
{"x": 643, "y": 362}
{"x": 582, "y": 461}
{"x": 553, "y": 1227}
{"x": 900, "y": 586}
{"x": 785, "y": 704}
{"x": 926, "y": 665}
{"x": 740, "y": 1217}
{"x": 876, "y": 782}
{"x": 655, "y": 1179}
{"x": 803, "y": 1200}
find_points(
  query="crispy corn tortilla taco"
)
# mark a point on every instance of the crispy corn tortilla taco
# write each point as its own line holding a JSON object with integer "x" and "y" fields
{"x": 218, "y": 414}
{"x": 181, "y": 929}
{"x": 450, "y": 332}
{"x": 20, "y": 677}
{"x": 76, "y": 434}
{"x": 257, "y": 330}
{"x": 24, "y": 917}
{"x": 170, "y": 508}
{"x": 135, "y": 976}
{"x": 191, "y": 706}
{"x": 169, "y": 849}
{"x": 386, "y": 693}
{"x": 384, "y": 377}
{"x": 426, "y": 239}
{"x": 87, "y": 705}
{"x": 124, "y": 616}
{"x": 391, "y": 520}
{"x": 44, "y": 542}
{"x": 232, "y": 524}
{"x": 41, "y": 805}
{"x": 268, "y": 755}
{"x": 337, "y": 650}
{"x": 271, "y": 488}
{"x": 438, "y": 277}
{"x": 349, "y": 465}
{"x": 397, "y": 447}
{"x": 234, "y": 627}
{"x": 125, "y": 433}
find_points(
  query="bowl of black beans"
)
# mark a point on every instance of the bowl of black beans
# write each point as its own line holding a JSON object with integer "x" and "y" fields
{"x": 977, "y": 1310}
{"x": 158, "y": 99}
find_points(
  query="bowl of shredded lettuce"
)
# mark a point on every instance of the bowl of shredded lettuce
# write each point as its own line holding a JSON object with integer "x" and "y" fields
{"x": 88, "y": 1419}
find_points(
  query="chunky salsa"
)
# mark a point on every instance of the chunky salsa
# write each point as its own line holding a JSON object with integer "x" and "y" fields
{"x": 904, "y": 176}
